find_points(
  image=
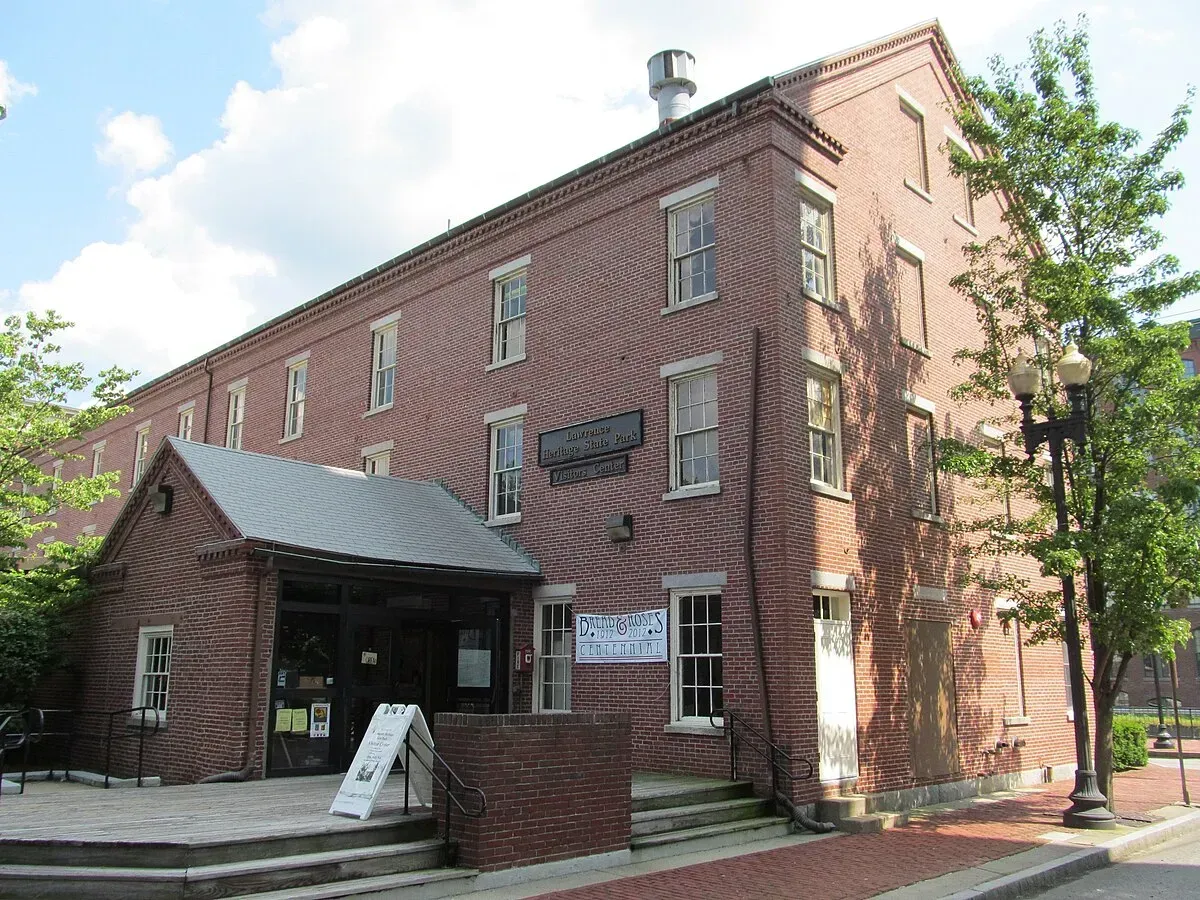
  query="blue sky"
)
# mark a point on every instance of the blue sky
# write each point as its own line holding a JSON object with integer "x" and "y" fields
{"x": 176, "y": 172}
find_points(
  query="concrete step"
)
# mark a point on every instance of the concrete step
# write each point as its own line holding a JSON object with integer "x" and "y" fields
{"x": 223, "y": 879}
{"x": 708, "y": 837}
{"x": 675, "y": 818}
{"x": 171, "y": 854}
{"x": 690, "y": 793}
{"x": 872, "y": 823}
{"x": 835, "y": 809}
{"x": 426, "y": 884}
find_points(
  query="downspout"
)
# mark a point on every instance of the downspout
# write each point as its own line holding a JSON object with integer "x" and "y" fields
{"x": 207, "y": 399}
{"x": 782, "y": 799}
{"x": 252, "y": 692}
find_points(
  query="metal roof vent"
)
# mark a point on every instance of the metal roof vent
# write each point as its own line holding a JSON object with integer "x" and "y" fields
{"x": 671, "y": 83}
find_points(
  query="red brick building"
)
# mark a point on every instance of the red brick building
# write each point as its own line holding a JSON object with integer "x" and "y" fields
{"x": 701, "y": 374}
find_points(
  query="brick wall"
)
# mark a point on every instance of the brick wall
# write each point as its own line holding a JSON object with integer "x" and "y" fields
{"x": 557, "y": 785}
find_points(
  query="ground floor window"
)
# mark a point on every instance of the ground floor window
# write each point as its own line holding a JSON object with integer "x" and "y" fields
{"x": 696, "y": 671}
{"x": 152, "y": 682}
{"x": 553, "y": 639}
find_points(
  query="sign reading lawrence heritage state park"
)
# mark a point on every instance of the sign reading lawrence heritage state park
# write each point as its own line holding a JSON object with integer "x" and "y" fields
{"x": 600, "y": 437}
{"x": 599, "y": 468}
{"x": 629, "y": 638}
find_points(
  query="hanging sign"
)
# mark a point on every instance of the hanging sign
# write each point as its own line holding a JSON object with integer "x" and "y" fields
{"x": 629, "y": 638}
{"x": 381, "y": 745}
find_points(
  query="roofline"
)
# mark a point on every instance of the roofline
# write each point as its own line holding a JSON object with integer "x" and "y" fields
{"x": 763, "y": 85}
{"x": 265, "y": 547}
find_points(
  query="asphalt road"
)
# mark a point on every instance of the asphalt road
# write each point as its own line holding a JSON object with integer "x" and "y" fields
{"x": 1168, "y": 872}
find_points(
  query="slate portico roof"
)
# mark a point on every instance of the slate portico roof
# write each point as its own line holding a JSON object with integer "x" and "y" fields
{"x": 341, "y": 512}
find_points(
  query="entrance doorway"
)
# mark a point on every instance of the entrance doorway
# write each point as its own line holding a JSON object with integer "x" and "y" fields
{"x": 342, "y": 649}
{"x": 837, "y": 711}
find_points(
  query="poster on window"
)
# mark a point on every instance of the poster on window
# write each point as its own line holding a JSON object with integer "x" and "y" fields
{"x": 628, "y": 638}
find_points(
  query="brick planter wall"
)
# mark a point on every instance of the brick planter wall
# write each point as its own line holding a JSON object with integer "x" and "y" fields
{"x": 557, "y": 786}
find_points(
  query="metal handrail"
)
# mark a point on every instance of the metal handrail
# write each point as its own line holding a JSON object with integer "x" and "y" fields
{"x": 779, "y": 760}
{"x": 447, "y": 786}
{"x": 11, "y": 740}
{"x": 108, "y": 740}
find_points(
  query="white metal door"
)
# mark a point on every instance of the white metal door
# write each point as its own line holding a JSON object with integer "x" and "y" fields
{"x": 837, "y": 713}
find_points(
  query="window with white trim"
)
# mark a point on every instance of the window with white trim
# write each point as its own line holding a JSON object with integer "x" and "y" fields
{"x": 56, "y": 476}
{"x": 297, "y": 390}
{"x": 141, "y": 453}
{"x": 553, "y": 644}
{"x": 912, "y": 142}
{"x": 185, "y": 423}
{"x": 816, "y": 246}
{"x": 1152, "y": 661}
{"x": 825, "y": 427}
{"x": 966, "y": 211}
{"x": 694, "y": 430}
{"x": 1067, "y": 683}
{"x": 505, "y": 494}
{"x": 696, "y": 662}
{"x": 98, "y": 458}
{"x": 236, "y": 419}
{"x": 152, "y": 681}
{"x": 693, "y": 240}
{"x": 508, "y": 340}
{"x": 921, "y": 462}
{"x": 1196, "y": 648}
{"x": 378, "y": 463}
{"x": 1189, "y": 368}
{"x": 1012, "y": 630}
{"x": 383, "y": 366}
{"x": 910, "y": 289}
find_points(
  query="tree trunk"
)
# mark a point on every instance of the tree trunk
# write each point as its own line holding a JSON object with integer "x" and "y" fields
{"x": 1104, "y": 745}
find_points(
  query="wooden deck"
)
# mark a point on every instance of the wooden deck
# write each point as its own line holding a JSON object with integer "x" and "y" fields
{"x": 195, "y": 814}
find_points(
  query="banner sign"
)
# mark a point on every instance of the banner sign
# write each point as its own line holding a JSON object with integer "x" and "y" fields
{"x": 380, "y": 746}
{"x": 629, "y": 638}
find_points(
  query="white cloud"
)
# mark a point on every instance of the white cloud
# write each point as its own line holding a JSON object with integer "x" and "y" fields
{"x": 10, "y": 88}
{"x": 135, "y": 143}
{"x": 385, "y": 120}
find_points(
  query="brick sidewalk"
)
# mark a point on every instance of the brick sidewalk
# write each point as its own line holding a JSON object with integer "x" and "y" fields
{"x": 858, "y": 866}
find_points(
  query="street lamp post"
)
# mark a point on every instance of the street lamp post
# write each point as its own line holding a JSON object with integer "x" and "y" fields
{"x": 1089, "y": 807}
{"x": 1163, "y": 741}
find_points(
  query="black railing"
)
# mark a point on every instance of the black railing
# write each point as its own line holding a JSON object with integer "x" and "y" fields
{"x": 12, "y": 739}
{"x": 781, "y": 764}
{"x": 449, "y": 786}
{"x": 140, "y": 713}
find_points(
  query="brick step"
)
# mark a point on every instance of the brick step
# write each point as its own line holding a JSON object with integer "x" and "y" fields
{"x": 287, "y": 873}
{"x": 179, "y": 855}
{"x": 689, "y": 792}
{"x": 708, "y": 837}
{"x": 675, "y": 818}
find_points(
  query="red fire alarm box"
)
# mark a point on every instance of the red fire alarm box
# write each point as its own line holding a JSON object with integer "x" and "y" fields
{"x": 524, "y": 660}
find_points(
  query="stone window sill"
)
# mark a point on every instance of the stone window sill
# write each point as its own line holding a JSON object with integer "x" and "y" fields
{"x": 1012, "y": 721}
{"x": 967, "y": 225}
{"x": 916, "y": 348}
{"x": 918, "y": 190}
{"x": 823, "y": 301}
{"x": 698, "y": 729}
{"x": 688, "y": 304}
{"x": 377, "y": 410}
{"x": 514, "y": 519}
{"x": 500, "y": 364}
{"x": 924, "y": 516}
{"x": 700, "y": 490}
{"x": 294, "y": 437}
{"x": 825, "y": 490}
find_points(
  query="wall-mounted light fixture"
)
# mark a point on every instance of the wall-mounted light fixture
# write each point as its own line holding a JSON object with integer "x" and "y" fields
{"x": 161, "y": 498}
{"x": 619, "y": 528}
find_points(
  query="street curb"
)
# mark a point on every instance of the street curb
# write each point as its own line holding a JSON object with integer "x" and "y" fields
{"x": 1087, "y": 860}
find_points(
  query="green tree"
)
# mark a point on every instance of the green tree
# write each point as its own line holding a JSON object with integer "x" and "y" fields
{"x": 39, "y": 581}
{"x": 1080, "y": 262}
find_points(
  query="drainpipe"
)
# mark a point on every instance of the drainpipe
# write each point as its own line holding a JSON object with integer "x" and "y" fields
{"x": 252, "y": 703}
{"x": 207, "y": 399}
{"x": 748, "y": 537}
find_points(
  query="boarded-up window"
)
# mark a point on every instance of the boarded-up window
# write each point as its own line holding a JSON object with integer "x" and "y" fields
{"x": 933, "y": 725}
{"x": 913, "y": 142}
{"x": 923, "y": 474}
{"x": 910, "y": 276}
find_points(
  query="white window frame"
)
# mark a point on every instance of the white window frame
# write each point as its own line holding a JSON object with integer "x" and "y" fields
{"x": 55, "y": 480}
{"x": 146, "y": 634}
{"x": 503, "y": 329}
{"x": 383, "y": 373}
{"x": 825, "y": 369}
{"x": 297, "y": 394}
{"x": 910, "y": 253}
{"x": 676, "y": 204}
{"x": 235, "y": 418}
{"x": 676, "y": 374}
{"x": 187, "y": 418}
{"x": 925, "y": 409}
{"x": 912, "y": 108}
{"x": 1013, "y": 629}
{"x": 498, "y": 422}
{"x": 141, "y": 452}
{"x": 677, "y": 717}
{"x": 967, "y": 217}
{"x": 540, "y": 656}
{"x": 98, "y": 458}
{"x": 378, "y": 463}
{"x": 822, "y": 200}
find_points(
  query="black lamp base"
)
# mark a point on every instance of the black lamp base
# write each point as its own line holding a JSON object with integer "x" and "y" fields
{"x": 1163, "y": 740}
{"x": 1089, "y": 807}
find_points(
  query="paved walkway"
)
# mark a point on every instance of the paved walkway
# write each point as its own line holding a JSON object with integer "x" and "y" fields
{"x": 935, "y": 843}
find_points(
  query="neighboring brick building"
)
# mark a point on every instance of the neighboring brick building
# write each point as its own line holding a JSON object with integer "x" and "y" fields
{"x": 782, "y": 255}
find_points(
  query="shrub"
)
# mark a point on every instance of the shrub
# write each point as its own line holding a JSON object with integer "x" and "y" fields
{"x": 1129, "y": 743}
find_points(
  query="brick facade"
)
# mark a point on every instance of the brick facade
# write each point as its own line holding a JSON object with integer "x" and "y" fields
{"x": 558, "y": 786}
{"x": 597, "y": 336}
